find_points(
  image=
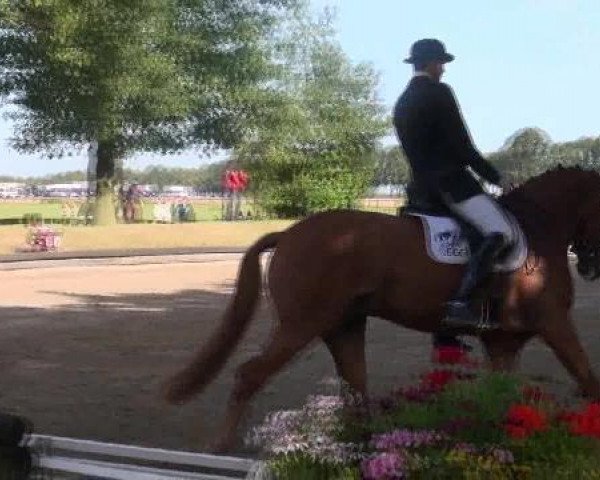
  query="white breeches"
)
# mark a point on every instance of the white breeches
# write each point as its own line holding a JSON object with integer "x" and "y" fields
{"x": 483, "y": 213}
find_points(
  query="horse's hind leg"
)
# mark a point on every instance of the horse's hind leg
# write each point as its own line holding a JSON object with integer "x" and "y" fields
{"x": 347, "y": 347}
{"x": 287, "y": 339}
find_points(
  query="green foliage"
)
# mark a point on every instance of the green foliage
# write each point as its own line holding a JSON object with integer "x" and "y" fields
{"x": 525, "y": 154}
{"x": 556, "y": 445}
{"x": 30, "y": 218}
{"x": 206, "y": 178}
{"x": 304, "y": 467}
{"x": 482, "y": 403}
{"x": 315, "y": 147}
{"x": 391, "y": 167}
{"x": 153, "y": 75}
{"x": 137, "y": 75}
{"x": 303, "y": 191}
{"x": 530, "y": 152}
{"x": 477, "y": 404}
{"x": 584, "y": 152}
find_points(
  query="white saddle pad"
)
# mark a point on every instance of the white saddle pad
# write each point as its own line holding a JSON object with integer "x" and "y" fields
{"x": 446, "y": 244}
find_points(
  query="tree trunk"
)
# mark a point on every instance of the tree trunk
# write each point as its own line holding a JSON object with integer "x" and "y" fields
{"x": 106, "y": 181}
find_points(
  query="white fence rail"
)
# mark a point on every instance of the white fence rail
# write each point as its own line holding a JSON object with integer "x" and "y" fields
{"x": 74, "y": 458}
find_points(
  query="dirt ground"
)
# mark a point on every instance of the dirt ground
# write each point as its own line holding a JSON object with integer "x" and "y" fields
{"x": 84, "y": 348}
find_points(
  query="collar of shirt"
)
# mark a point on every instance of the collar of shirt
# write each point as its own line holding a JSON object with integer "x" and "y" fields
{"x": 421, "y": 74}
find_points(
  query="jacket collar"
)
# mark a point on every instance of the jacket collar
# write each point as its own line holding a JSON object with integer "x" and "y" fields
{"x": 418, "y": 79}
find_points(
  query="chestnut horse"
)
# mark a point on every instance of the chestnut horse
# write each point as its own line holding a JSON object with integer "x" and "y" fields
{"x": 333, "y": 269}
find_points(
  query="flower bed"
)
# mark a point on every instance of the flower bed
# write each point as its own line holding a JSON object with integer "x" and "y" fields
{"x": 41, "y": 238}
{"x": 455, "y": 422}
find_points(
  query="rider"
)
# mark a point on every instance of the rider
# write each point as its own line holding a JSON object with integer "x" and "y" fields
{"x": 439, "y": 149}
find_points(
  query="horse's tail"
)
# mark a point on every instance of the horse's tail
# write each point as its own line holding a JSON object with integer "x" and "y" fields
{"x": 209, "y": 361}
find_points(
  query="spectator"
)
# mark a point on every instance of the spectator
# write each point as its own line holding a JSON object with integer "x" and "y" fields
{"x": 132, "y": 210}
{"x": 162, "y": 211}
{"x": 181, "y": 210}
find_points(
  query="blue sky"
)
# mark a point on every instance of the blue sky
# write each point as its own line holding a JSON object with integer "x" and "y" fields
{"x": 518, "y": 63}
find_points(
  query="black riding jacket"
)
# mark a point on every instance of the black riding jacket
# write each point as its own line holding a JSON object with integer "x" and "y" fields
{"x": 437, "y": 143}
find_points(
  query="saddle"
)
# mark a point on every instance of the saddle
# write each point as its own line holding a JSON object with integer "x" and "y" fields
{"x": 448, "y": 239}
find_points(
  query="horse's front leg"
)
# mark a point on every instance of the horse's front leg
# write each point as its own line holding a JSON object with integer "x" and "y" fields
{"x": 559, "y": 334}
{"x": 503, "y": 349}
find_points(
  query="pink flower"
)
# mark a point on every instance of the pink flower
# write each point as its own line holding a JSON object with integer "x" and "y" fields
{"x": 405, "y": 439}
{"x": 383, "y": 466}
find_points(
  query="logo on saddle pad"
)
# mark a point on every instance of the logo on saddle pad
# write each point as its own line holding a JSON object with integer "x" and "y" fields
{"x": 447, "y": 244}
{"x": 451, "y": 243}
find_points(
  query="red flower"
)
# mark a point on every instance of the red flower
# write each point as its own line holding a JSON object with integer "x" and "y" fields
{"x": 586, "y": 426}
{"x": 449, "y": 355}
{"x": 523, "y": 420}
{"x": 593, "y": 409}
{"x": 516, "y": 431}
{"x": 585, "y": 423}
{"x": 438, "y": 379}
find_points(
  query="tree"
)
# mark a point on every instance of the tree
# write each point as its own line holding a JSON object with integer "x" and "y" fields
{"x": 584, "y": 152}
{"x": 205, "y": 179}
{"x": 315, "y": 147}
{"x": 135, "y": 75}
{"x": 391, "y": 167}
{"x": 529, "y": 152}
{"x": 526, "y": 153}
{"x": 209, "y": 178}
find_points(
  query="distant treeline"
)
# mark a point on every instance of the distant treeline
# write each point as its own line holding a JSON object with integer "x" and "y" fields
{"x": 205, "y": 178}
{"x": 526, "y": 153}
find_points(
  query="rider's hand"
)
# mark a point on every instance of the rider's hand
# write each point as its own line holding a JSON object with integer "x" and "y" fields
{"x": 505, "y": 185}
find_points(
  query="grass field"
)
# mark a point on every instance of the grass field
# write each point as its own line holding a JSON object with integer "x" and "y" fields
{"x": 234, "y": 234}
{"x": 208, "y": 210}
{"x": 205, "y": 209}
{"x": 18, "y": 209}
{"x": 207, "y": 231}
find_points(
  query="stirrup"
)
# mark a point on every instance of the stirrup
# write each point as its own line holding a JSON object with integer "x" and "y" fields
{"x": 459, "y": 315}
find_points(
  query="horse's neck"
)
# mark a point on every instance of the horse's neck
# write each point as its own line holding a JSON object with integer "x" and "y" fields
{"x": 548, "y": 214}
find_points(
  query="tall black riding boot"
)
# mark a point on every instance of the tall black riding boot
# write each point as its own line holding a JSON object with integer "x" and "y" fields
{"x": 459, "y": 314}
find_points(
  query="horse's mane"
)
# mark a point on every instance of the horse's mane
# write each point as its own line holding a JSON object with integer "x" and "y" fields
{"x": 549, "y": 175}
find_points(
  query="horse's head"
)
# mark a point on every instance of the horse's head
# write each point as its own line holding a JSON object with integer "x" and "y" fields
{"x": 563, "y": 203}
{"x": 587, "y": 241}
{"x": 567, "y": 199}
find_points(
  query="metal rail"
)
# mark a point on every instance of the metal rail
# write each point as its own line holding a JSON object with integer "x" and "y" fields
{"x": 110, "y": 461}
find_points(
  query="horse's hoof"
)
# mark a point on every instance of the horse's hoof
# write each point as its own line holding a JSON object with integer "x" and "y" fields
{"x": 587, "y": 394}
{"x": 220, "y": 446}
{"x": 175, "y": 391}
{"x": 577, "y": 392}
